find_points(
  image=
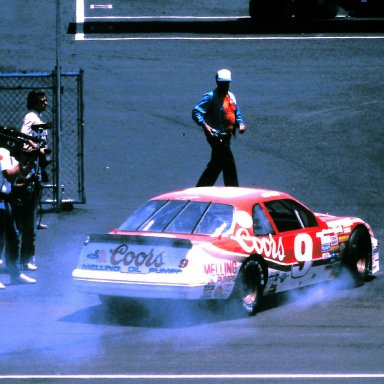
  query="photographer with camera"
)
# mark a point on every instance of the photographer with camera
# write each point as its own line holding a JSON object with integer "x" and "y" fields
{"x": 34, "y": 126}
{"x": 27, "y": 191}
{"x": 10, "y": 171}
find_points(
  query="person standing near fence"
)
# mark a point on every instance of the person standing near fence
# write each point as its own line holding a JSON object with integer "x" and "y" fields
{"x": 10, "y": 169}
{"x": 33, "y": 125}
{"x": 26, "y": 196}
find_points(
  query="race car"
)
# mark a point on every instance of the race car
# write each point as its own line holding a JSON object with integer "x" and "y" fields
{"x": 230, "y": 243}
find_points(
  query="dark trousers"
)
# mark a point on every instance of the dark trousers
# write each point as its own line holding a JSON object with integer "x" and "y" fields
{"x": 10, "y": 235}
{"x": 24, "y": 210}
{"x": 222, "y": 160}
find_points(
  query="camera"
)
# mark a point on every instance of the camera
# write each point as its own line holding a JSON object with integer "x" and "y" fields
{"x": 15, "y": 141}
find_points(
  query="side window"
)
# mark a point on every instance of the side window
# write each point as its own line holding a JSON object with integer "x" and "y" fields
{"x": 288, "y": 215}
{"x": 261, "y": 224}
{"x": 307, "y": 218}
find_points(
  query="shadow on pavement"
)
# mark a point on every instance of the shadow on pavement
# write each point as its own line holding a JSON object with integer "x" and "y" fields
{"x": 173, "y": 314}
{"x": 238, "y": 26}
{"x": 170, "y": 314}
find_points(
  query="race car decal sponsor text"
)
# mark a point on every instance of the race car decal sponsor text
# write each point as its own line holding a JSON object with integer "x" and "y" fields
{"x": 123, "y": 255}
{"x": 124, "y": 259}
{"x": 266, "y": 246}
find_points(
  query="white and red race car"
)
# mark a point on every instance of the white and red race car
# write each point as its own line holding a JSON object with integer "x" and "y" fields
{"x": 221, "y": 242}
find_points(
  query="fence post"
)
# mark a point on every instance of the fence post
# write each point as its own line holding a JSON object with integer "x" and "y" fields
{"x": 58, "y": 196}
{"x": 57, "y": 190}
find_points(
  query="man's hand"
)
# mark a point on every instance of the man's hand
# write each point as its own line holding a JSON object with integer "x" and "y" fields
{"x": 29, "y": 147}
{"x": 45, "y": 151}
{"x": 209, "y": 129}
{"x": 242, "y": 128}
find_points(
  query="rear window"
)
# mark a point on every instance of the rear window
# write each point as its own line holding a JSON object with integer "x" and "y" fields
{"x": 178, "y": 216}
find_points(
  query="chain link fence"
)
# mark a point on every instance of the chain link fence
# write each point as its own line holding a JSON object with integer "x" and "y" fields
{"x": 66, "y": 173}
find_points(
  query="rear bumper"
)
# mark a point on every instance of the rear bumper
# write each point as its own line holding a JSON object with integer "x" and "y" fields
{"x": 113, "y": 286}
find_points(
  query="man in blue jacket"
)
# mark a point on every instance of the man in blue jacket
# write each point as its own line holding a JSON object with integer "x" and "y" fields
{"x": 219, "y": 115}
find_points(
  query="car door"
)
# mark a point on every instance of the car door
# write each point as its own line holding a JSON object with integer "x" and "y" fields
{"x": 296, "y": 229}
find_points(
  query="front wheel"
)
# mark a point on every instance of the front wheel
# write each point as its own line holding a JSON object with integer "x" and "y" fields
{"x": 358, "y": 255}
{"x": 250, "y": 286}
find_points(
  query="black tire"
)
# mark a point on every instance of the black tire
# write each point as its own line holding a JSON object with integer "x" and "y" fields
{"x": 270, "y": 9}
{"x": 311, "y": 9}
{"x": 328, "y": 10}
{"x": 358, "y": 255}
{"x": 250, "y": 286}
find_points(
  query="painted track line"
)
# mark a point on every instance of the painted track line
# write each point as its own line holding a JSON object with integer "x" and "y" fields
{"x": 139, "y": 18}
{"x": 86, "y": 25}
{"x": 286, "y": 376}
{"x": 82, "y": 37}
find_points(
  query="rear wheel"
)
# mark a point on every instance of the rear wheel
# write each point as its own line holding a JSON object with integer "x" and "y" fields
{"x": 250, "y": 286}
{"x": 358, "y": 255}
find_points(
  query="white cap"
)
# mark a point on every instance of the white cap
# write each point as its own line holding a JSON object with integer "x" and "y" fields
{"x": 223, "y": 75}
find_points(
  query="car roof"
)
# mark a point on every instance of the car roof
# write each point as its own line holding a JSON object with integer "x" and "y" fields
{"x": 227, "y": 195}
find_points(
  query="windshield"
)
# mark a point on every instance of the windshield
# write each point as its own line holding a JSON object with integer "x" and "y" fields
{"x": 178, "y": 216}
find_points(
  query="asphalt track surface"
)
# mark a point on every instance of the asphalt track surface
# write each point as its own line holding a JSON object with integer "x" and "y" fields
{"x": 314, "y": 107}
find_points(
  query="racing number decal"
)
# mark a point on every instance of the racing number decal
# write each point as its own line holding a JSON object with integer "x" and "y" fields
{"x": 303, "y": 248}
{"x": 183, "y": 263}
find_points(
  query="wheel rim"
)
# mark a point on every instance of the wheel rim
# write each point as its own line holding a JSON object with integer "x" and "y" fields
{"x": 361, "y": 258}
{"x": 249, "y": 287}
{"x": 250, "y": 298}
{"x": 360, "y": 253}
{"x": 361, "y": 265}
